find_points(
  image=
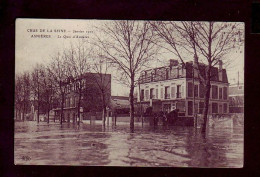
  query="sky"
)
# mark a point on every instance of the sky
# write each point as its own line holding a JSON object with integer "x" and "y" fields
{"x": 31, "y": 49}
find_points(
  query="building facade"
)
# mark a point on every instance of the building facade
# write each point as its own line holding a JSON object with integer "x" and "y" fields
{"x": 236, "y": 98}
{"x": 91, "y": 102}
{"x": 173, "y": 87}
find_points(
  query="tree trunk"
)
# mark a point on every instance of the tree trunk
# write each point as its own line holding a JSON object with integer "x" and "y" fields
{"x": 131, "y": 96}
{"x": 48, "y": 114}
{"x": 79, "y": 106}
{"x": 23, "y": 110}
{"x": 62, "y": 101}
{"x": 104, "y": 109}
{"x": 206, "y": 102}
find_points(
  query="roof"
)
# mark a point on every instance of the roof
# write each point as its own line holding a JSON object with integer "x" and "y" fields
{"x": 120, "y": 97}
{"x": 202, "y": 69}
{"x": 236, "y": 90}
{"x": 120, "y": 101}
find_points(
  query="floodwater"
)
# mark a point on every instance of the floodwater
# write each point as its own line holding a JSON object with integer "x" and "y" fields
{"x": 95, "y": 145}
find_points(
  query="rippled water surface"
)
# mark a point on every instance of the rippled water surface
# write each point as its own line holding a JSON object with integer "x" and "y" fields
{"x": 115, "y": 146}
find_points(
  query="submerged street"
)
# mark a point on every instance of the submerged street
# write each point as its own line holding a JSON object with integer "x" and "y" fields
{"x": 94, "y": 145}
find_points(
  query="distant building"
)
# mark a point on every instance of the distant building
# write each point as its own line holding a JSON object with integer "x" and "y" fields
{"x": 121, "y": 104}
{"x": 91, "y": 98}
{"x": 236, "y": 98}
{"x": 171, "y": 87}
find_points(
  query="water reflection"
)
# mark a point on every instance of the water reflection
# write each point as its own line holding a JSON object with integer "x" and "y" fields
{"x": 95, "y": 144}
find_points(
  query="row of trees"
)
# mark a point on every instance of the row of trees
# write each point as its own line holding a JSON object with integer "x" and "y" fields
{"x": 47, "y": 83}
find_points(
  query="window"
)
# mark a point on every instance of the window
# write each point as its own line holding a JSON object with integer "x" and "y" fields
{"x": 178, "y": 94}
{"x": 214, "y": 92}
{"x": 240, "y": 87}
{"x": 146, "y": 94}
{"x": 202, "y": 91}
{"x": 167, "y": 92}
{"x": 196, "y": 91}
{"x": 214, "y": 107}
{"x": 167, "y": 74}
{"x": 225, "y": 108}
{"x": 201, "y": 107}
{"x": 161, "y": 93}
{"x": 142, "y": 95}
{"x": 220, "y": 93}
{"x": 68, "y": 102}
{"x": 190, "y": 107}
{"x": 220, "y": 109}
{"x": 156, "y": 93}
{"x": 225, "y": 93}
{"x": 190, "y": 89}
{"x": 173, "y": 92}
{"x": 196, "y": 106}
{"x": 151, "y": 93}
{"x": 180, "y": 105}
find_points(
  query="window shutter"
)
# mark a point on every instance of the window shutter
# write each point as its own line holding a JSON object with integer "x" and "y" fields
{"x": 161, "y": 93}
{"x": 182, "y": 91}
{"x": 173, "y": 92}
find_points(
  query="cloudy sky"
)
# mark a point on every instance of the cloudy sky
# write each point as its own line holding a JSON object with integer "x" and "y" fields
{"x": 30, "y": 49}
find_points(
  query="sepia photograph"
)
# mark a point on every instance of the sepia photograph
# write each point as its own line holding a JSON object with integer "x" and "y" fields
{"x": 132, "y": 93}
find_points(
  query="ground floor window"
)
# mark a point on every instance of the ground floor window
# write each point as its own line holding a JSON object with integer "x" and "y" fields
{"x": 225, "y": 108}
{"x": 167, "y": 108}
{"x": 190, "y": 107}
{"x": 180, "y": 105}
{"x": 201, "y": 107}
{"x": 220, "y": 109}
{"x": 214, "y": 107}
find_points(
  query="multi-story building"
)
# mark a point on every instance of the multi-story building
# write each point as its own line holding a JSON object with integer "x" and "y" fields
{"x": 236, "y": 98}
{"x": 91, "y": 96}
{"x": 171, "y": 87}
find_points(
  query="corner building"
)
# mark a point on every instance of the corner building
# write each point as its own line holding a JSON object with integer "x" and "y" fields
{"x": 171, "y": 87}
{"x": 91, "y": 96}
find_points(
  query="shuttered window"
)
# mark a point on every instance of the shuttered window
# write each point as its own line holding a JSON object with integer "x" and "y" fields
{"x": 190, "y": 89}
{"x": 214, "y": 107}
{"x": 225, "y": 93}
{"x": 214, "y": 92}
{"x": 196, "y": 91}
{"x": 182, "y": 91}
{"x": 220, "y": 93}
{"x": 173, "y": 92}
{"x": 202, "y": 91}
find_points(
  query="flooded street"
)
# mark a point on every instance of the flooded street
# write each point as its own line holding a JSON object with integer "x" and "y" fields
{"x": 115, "y": 146}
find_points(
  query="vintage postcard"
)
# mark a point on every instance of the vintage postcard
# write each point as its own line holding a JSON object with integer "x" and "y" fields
{"x": 129, "y": 93}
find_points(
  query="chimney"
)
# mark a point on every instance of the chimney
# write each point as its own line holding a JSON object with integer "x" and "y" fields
{"x": 220, "y": 70}
{"x": 195, "y": 67}
{"x": 173, "y": 62}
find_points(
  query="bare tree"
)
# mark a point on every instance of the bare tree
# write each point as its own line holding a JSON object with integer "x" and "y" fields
{"x": 103, "y": 81}
{"x": 58, "y": 71}
{"x": 77, "y": 59}
{"x": 36, "y": 78}
{"x": 129, "y": 46}
{"x": 22, "y": 94}
{"x": 206, "y": 42}
{"x": 47, "y": 90}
